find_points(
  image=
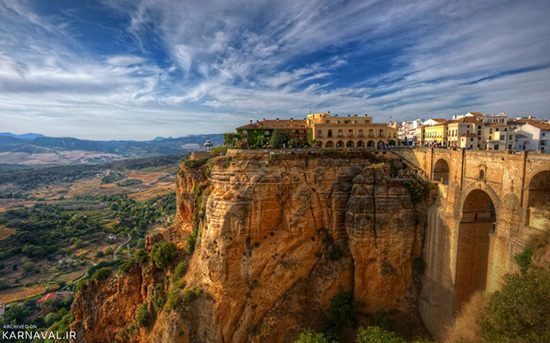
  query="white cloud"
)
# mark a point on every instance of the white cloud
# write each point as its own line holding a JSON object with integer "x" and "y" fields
{"x": 237, "y": 60}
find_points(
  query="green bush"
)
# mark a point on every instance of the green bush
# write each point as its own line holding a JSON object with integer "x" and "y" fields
{"x": 180, "y": 270}
{"x": 416, "y": 190}
{"x": 519, "y": 311}
{"x": 125, "y": 267}
{"x": 191, "y": 241}
{"x": 279, "y": 138}
{"x": 191, "y": 294}
{"x": 101, "y": 274}
{"x": 163, "y": 254}
{"x": 143, "y": 315}
{"x": 141, "y": 256}
{"x": 310, "y": 336}
{"x": 375, "y": 334}
{"x": 524, "y": 260}
{"x": 343, "y": 309}
{"x": 159, "y": 297}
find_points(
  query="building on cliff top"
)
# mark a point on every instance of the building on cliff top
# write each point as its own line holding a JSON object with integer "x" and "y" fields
{"x": 332, "y": 131}
{"x": 326, "y": 130}
{"x": 257, "y": 134}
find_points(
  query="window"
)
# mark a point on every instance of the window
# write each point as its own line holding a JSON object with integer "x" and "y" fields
{"x": 479, "y": 127}
{"x": 320, "y": 133}
{"x": 544, "y": 134}
{"x": 496, "y": 147}
{"x": 327, "y": 121}
{"x": 502, "y": 137}
{"x": 329, "y": 133}
{"x": 496, "y": 129}
{"x": 479, "y": 133}
{"x": 481, "y": 174}
{"x": 346, "y": 121}
{"x": 471, "y": 139}
{"x": 490, "y": 130}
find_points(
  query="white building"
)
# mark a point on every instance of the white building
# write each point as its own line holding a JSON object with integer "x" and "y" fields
{"x": 407, "y": 129}
{"x": 533, "y": 136}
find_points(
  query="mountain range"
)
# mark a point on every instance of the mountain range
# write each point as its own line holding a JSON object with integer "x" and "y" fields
{"x": 33, "y": 150}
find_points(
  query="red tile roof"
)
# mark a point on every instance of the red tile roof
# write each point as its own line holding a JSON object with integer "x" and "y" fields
{"x": 47, "y": 297}
{"x": 540, "y": 124}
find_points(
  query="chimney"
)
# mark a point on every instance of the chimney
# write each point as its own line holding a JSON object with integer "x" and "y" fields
{"x": 277, "y": 119}
{"x": 328, "y": 113}
{"x": 291, "y": 119}
{"x": 263, "y": 119}
{"x": 251, "y": 121}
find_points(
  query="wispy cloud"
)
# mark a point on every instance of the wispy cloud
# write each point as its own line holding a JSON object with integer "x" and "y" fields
{"x": 172, "y": 67}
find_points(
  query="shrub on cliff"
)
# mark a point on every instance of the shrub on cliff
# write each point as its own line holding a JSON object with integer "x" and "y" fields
{"x": 163, "y": 254}
{"x": 180, "y": 270}
{"x": 310, "y": 336}
{"x": 101, "y": 274}
{"x": 519, "y": 311}
{"x": 375, "y": 334}
{"x": 143, "y": 315}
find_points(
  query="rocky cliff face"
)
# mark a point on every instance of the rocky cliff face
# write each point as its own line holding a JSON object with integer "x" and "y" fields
{"x": 277, "y": 237}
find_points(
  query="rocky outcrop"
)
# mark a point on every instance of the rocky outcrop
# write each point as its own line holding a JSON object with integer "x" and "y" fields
{"x": 279, "y": 235}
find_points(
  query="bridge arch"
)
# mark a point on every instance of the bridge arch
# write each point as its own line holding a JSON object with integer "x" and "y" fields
{"x": 538, "y": 199}
{"x": 477, "y": 221}
{"x": 441, "y": 171}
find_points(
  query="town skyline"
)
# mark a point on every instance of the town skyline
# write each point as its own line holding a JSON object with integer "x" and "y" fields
{"x": 123, "y": 70}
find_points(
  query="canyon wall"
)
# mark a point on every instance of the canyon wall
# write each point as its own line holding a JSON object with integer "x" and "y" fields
{"x": 278, "y": 236}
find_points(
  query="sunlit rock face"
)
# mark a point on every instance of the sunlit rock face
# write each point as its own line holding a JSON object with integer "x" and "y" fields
{"x": 278, "y": 237}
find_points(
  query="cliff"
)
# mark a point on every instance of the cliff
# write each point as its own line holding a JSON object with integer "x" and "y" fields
{"x": 277, "y": 237}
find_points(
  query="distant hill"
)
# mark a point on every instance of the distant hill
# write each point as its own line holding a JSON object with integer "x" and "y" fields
{"x": 38, "y": 150}
{"x": 26, "y": 136}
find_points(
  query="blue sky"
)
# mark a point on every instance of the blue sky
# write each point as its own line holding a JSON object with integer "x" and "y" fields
{"x": 137, "y": 69}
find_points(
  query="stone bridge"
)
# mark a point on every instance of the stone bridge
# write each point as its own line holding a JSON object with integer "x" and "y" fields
{"x": 489, "y": 204}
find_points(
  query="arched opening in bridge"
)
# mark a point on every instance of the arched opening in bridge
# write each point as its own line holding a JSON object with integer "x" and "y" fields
{"x": 477, "y": 222}
{"x": 539, "y": 200}
{"x": 482, "y": 174}
{"x": 441, "y": 171}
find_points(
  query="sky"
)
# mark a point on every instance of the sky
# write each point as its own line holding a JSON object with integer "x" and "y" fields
{"x": 138, "y": 69}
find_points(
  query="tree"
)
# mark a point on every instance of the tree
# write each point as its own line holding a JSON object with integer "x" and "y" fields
{"x": 279, "y": 139}
{"x": 519, "y": 311}
{"x": 163, "y": 254}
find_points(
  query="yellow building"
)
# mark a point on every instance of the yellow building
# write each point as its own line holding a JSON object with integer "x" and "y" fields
{"x": 463, "y": 127}
{"x": 332, "y": 131}
{"x": 436, "y": 134}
